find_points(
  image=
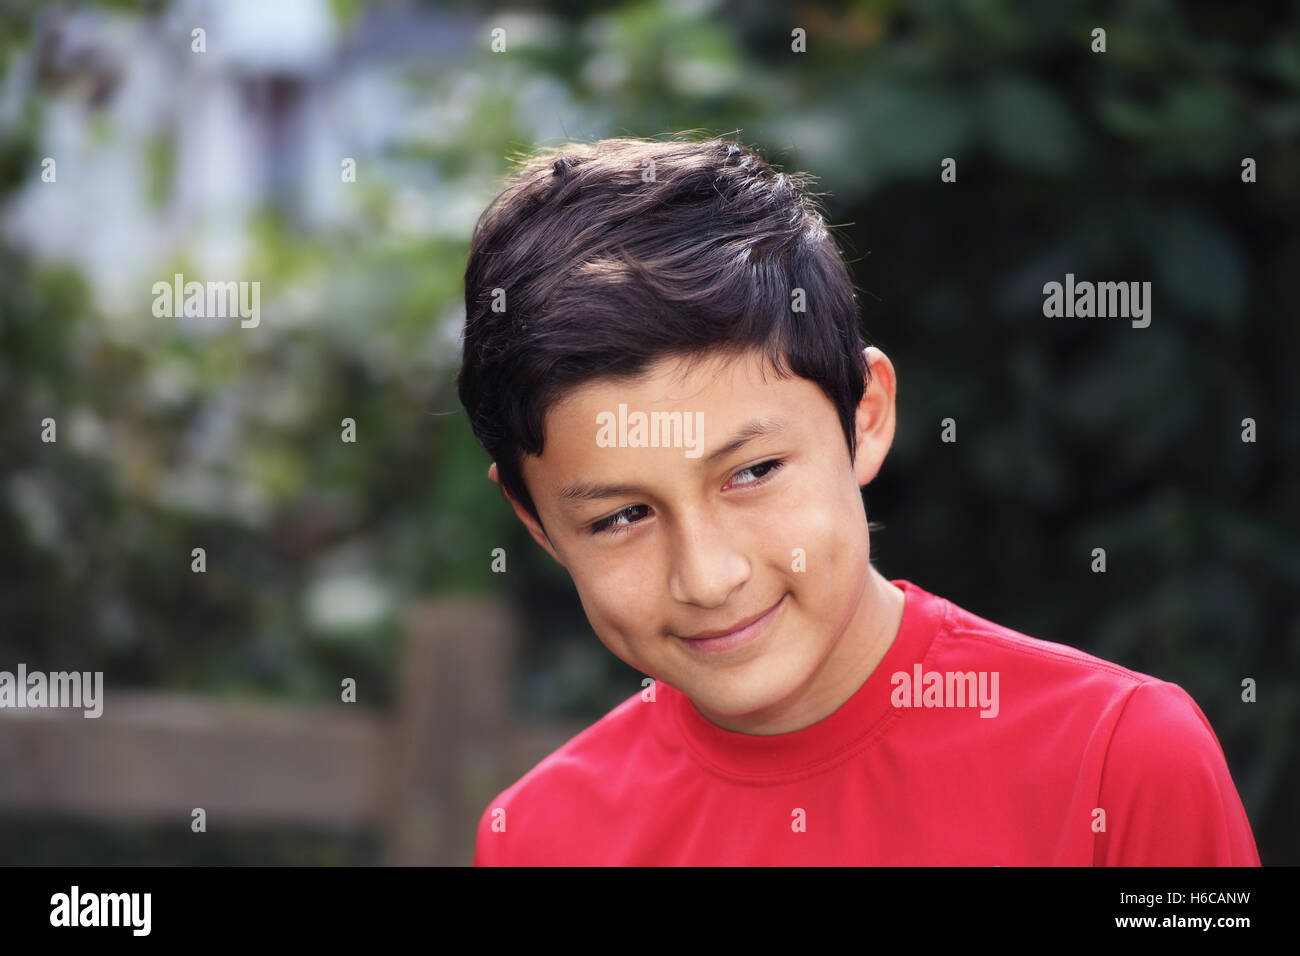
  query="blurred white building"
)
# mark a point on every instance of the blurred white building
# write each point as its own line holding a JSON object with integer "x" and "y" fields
{"x": 159, "y": 147}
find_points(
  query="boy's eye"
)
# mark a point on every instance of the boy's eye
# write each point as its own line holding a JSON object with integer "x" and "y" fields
{"x": 622, "y": 521}
{"x": 614, "y": 523}
{"x": 766, "y": 467}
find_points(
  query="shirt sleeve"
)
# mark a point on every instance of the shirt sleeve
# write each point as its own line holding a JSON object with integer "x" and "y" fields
{"x": 1165, "y": 787}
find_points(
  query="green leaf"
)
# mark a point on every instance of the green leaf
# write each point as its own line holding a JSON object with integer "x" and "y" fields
{"x": 1029, "y": 126}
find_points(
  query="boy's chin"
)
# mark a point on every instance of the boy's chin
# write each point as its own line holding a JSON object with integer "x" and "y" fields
{"x": 738, "y": 697}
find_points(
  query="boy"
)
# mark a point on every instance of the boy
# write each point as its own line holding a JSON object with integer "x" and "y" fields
{"x": 662, "y": 358}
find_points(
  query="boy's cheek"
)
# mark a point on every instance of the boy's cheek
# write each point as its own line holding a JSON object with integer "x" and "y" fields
{"x": 619, "y": 606}
{"x": 819, "y": 523}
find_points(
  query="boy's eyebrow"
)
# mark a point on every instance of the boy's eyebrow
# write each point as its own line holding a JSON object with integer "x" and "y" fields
{"x": 590, "y": 491}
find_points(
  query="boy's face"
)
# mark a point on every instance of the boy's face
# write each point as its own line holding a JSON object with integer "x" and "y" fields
{"x": 700, "y": 542}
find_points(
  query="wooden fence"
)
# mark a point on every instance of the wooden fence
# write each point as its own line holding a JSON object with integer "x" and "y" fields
{"x": 421, "y": 774}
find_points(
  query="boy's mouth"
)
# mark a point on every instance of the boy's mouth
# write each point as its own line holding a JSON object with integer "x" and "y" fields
{"x": 738, "y": 635}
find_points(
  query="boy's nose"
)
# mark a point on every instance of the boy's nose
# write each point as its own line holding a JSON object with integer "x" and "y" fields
{"x": 707, "y": 565}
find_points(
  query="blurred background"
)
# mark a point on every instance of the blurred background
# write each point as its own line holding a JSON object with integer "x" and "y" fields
{"x": 372, "y": 560}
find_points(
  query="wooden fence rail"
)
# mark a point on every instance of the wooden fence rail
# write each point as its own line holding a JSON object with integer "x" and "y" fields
{"x": 421, "y": 774}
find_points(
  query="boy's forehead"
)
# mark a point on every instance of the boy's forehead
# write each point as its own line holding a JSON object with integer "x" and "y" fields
{"x": 725, "y": 398}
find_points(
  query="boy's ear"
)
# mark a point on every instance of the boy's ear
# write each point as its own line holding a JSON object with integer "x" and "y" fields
{"x": 534, "y": 528}
{"x": 874, "y": 419}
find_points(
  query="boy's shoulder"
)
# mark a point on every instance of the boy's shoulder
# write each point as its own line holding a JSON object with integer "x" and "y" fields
{"x": 1045, "y": 674}
{"x": 569, "y": 784}
{"x": 617, "y": 732}
{"x": 1007, "y": 642}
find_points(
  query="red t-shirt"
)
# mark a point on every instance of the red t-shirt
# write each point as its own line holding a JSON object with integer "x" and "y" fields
{"x": 1079, "y": 762}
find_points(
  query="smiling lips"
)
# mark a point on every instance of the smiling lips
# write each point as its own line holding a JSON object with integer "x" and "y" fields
{"x": 735, "y": 636}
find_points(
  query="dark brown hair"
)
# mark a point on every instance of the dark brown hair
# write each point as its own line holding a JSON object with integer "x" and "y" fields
{"x": 614, "y": 254}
